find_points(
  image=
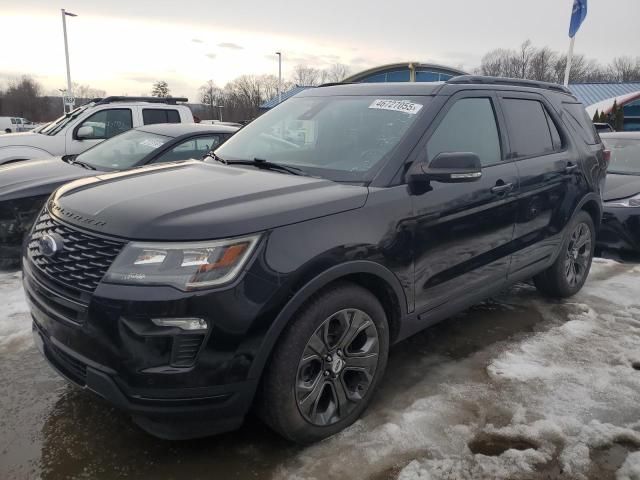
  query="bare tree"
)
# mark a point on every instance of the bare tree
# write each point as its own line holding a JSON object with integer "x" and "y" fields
{"x": 625, "y": 69}
{"x": 494, "y": 62}
{"x": 85, "y": 92}
{"x": 306, "y": 76}
{"x": 23, "y": 98}
{"x": 212, "y": 96}
{"x": 541, "y": 65}
{"x": 160, "y": 89}
{"x": 337, "y": 72}
{"x": 523, "y": 58}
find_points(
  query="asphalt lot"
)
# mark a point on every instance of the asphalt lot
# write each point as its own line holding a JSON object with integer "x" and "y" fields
{"x": 519, "y": 387}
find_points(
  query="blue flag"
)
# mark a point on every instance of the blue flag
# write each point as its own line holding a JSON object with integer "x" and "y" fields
{"x": 577, "y": 16}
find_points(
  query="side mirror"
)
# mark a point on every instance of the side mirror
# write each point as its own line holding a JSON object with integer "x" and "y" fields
{"x": 85, "y": 132}
{"x": 449, "y": 167}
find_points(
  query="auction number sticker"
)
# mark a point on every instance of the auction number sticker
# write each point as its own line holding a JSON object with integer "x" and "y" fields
{"x": 151, "y": 142}
{"x": 405, "y": 106}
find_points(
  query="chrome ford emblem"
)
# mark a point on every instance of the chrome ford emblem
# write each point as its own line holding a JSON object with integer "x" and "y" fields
{"x": 51, "y": 244}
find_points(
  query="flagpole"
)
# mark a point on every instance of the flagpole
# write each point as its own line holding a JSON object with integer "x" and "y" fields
{"x": 569, "y": 60}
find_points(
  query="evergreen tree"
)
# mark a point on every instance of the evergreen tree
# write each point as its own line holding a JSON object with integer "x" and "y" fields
{"x": 160, "y": 89}
{"x": 596, "y": 117}
{"x": 619, "y": 120}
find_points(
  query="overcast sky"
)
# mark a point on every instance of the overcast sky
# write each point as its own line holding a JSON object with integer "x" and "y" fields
{"x": 124, "y": 46}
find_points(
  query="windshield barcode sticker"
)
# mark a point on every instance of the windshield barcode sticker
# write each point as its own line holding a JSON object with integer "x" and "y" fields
{"x": 404, "y": 106}
{"x": 151, "y": 142}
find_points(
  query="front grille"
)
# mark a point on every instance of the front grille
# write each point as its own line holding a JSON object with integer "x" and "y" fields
{"x": 82, "y": 262}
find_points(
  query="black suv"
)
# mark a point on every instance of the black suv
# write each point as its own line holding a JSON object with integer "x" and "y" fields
{"x": 278, "y": 273}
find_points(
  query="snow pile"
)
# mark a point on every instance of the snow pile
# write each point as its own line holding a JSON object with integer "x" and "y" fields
{"x": 15, "y": 321}
{"x": 563, "y": 402}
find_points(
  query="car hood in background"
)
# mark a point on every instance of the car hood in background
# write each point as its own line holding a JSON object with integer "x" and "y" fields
{"x": 37, "y": 177}
{"x": 30, "y": 139}
{"x": 620, "y": 186}
{"x": 198, "y": 201}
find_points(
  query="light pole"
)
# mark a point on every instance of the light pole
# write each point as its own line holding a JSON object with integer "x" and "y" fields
{"x": 66, "y": 53}
{"x": 220, "y": 107}
{"x": 279, "y": 77}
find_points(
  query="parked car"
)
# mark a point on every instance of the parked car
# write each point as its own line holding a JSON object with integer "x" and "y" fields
{"x": 15, "y": 124}
{"x": 603, "y": 127}
{"x": 25, "y": 186}
{"x": 621, "y": 219}
{"x": 91, "y": 124}
{"x": 277, "y": 274}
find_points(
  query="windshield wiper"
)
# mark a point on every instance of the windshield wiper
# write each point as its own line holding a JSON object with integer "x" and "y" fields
{"x": 215, "y": 157}
{"x": 267, "y": 165}
{"x": 73, "y": 161}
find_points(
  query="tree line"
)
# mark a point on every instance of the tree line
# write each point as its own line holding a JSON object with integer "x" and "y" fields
{"x": 545, "y": 64}
{"x": 240, "y": 99}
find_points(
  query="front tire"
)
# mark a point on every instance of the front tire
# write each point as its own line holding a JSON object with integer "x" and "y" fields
{"x": 570, "y": 270}
{"x": 326, "y": 365}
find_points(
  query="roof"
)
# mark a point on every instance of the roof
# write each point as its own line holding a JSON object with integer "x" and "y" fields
{"x": 177, "y": 129}
{"x": 406, "y": 65}
{"x": 285, "y": 95}
{"x": 620, "y": 135}
{"x": 592, "y": 93}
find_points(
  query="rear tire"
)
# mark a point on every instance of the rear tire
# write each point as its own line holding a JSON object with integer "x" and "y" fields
{"x": 7, "y": 130}
{"x": 570, "y": 270}
{"x": 326, "y": 365}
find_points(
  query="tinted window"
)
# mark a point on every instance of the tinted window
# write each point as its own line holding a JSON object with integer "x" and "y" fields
{"x": 555, "y": 133}
{"x": 156, "y": 115}
{"x": 576, "y": 116}
{"x": 108, "y": 123}
{"x": 529, "y": 132}
{"x": 193, "y": 148}
{"x": 469, "y": 126}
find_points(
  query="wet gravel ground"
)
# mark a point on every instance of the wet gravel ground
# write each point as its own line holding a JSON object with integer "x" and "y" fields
{"x": 51, "y": 430}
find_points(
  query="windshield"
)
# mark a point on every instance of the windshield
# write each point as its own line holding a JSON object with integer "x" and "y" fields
{"x": 342, "y": 138}
{"x": 58, "y": 124}
{"x": 625, "y": 155}
{"x": 123, "y": 151}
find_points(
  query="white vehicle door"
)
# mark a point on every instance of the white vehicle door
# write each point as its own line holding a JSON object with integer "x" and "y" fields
{"x": 101, "y": 125}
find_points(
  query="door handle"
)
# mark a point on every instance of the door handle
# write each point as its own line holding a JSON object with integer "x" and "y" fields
{"x": 570, "y": 167}
{"x": 502, "y": 188}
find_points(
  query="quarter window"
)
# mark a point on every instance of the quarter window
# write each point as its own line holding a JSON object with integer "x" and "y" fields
{"x": 108, "y": 123}
{"x": 576, "y": 116}
{"x": 529, "y": 129}
{"x": 151, "y": 116}
{"x": 469, "y": 126}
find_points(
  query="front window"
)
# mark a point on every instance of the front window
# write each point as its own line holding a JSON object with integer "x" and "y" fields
{"x": 342, "y": 138}
{"x": 195, "y": 148}
{"x": 108, "y": 123}
{"x": 625, "y": 155}
{"x": 124, "y": 151}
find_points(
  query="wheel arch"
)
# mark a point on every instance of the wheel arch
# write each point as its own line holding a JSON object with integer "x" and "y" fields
{"x": 370, "y": 275}
{"x": 593, "y": 206}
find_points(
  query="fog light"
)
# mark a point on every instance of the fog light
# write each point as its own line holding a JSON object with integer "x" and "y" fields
{"x": 190, "y": 324}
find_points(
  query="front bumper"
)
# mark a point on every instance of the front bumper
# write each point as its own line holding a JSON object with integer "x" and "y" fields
{"x": 620, "y": 229}
{"x": 102, "y": 342}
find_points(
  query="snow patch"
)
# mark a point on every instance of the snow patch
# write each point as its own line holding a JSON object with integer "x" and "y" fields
{"x": 15, "y": 320}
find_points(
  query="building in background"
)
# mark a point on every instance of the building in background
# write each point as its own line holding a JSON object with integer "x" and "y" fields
{"x": 601, "y": 97}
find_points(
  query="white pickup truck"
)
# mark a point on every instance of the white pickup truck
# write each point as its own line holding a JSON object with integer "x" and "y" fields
{"x": 91, "y": 124}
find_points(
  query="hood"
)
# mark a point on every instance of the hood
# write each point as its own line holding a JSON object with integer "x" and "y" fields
{"x": 29, "y": 139}
{"x": 199, "y": 201}
{"x": 620, "y": 186}
{"x": 37, "y": 177}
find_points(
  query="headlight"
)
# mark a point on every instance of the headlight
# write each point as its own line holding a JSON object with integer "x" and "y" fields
{"x": 186, "y": 266}
{"x": 625, "y": 202}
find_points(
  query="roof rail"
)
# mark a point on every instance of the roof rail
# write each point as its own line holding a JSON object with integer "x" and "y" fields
{"x": 518, "y": 82}
{"x": 112, "y": 99}
{"x": 333, "y": 84}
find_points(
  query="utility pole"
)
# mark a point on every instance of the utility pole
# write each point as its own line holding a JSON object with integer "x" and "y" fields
{"x": 279, "y": 77}
{"x": 70, "y": 98}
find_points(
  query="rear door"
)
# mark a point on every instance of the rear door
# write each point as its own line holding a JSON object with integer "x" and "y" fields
{"x": 539, "y": 146}
{"x": 464, "y": 230}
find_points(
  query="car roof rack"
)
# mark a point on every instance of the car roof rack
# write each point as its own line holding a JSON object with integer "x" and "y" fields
{"x": 517, "y": 82}
{"x": 112, "y": 99}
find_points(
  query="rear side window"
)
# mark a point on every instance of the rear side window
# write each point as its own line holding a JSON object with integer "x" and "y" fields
{"x": 576, "y": 116}
{"x": 529, "y": 127}
{"x": 151, "y": 116}
{"x": 469, "y": 126}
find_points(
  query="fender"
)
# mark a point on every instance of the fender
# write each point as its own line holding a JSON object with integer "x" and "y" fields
{"x": 21, "y": 152}
{"x": 588, "y": 197}
{"x": 283, "y": 318}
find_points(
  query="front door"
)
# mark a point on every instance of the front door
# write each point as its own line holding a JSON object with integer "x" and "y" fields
{"x": 464, "y": 230}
